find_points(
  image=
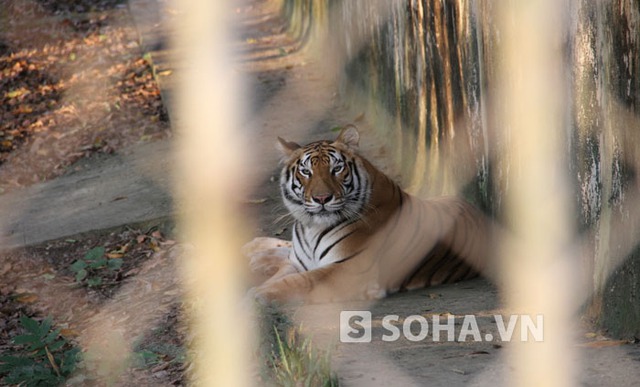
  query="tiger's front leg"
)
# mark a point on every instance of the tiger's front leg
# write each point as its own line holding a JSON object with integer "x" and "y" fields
{"x": 292, "y": 287}
{"x": 327, "y": 284}
{"x": 269, "y": 258}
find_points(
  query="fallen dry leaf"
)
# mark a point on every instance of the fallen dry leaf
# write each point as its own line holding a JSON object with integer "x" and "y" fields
{"x": 66, "y": 332}
{"x": 28, "y": 298}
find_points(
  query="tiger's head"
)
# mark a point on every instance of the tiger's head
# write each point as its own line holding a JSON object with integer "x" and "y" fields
{"x": 324, "y": 182}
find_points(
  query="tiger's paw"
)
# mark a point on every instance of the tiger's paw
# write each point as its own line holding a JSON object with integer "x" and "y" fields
{"x": 269, "y": 262}
{"x": 259, "y": 244}
{"x": 263, "y": 295}
{"x": 271, "y": 293}
{"x": 267, "y": 255}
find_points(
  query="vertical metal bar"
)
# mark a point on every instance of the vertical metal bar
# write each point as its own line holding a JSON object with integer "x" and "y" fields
{"x": 532, "y": 95}
{"x": 208, "y": 184}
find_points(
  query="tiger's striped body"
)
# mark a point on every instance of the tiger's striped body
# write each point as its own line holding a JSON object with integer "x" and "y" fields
{"x": 358, "y": 235}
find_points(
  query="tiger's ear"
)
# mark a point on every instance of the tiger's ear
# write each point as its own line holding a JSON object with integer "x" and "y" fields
{"x": 286, "y": 147}
{"x": 349, "y": 136}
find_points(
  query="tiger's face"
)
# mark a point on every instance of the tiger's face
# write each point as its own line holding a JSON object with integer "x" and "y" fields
{"x": 324, "y": 183}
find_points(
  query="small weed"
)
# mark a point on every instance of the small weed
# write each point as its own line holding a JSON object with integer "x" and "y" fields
{"x": 297, "y": 363}
{"x": 42, "y": 356}
{"x": 145, "y": 358}
{"x": 95, "y": 262}
{"x": 291, "y": 359}
{"x": 159, "y": 352}
{"x": 162, "y": 349}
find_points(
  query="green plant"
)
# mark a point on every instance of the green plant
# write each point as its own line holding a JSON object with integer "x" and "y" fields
{"x": 94, "y": 262}
{"x": 42, "y": 356}
{"x": 157, "y": 352}
{"x": 297, "y": 363}
{"x": 145, "y": 358}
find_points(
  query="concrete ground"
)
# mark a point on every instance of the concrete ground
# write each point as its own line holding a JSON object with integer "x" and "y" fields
{"x": 130, "y": 187}
{"x": 287, "y": 95}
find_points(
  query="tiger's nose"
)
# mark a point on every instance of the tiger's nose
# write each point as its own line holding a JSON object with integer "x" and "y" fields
{"x": 322, "y": 199}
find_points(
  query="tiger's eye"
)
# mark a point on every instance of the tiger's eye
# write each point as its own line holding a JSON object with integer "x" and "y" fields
{"x": 337, "y": 169}
{"x": 305, "y": 172}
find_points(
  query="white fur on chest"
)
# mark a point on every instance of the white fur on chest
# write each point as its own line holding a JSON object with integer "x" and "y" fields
{"x": 314, "y": 248}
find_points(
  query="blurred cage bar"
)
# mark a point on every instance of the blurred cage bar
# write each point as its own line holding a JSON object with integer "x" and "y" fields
{"x": 535, "y": 266}
{"x": 209, "y": 180}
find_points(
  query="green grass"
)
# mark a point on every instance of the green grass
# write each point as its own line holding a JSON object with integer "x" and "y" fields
{"x": 292, "y": 359}
{"x": 298, "y": 363}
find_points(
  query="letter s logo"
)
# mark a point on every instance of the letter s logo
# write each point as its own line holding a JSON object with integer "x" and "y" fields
{"x": 355, "y": 326}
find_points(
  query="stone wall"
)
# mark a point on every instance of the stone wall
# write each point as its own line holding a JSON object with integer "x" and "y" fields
{"x": 424, "y": 72}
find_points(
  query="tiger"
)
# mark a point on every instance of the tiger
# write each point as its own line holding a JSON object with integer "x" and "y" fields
{"x": 357, "y": 235}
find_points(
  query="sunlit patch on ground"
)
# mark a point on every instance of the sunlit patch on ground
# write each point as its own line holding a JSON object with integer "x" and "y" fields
{"x": 74, "y": 82}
